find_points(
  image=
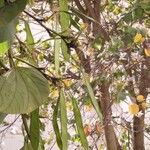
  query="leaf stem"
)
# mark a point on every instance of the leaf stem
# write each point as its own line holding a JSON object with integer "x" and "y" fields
{"x": 10, "y": 56}
{"x": 25, "y": 125}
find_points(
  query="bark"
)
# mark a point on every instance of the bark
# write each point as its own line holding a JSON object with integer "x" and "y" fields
{"x": 93, "y": 9}
{"x": 138, "y": 122}
{"x": 105, "y": 103}
{"x": 138, "y": 133}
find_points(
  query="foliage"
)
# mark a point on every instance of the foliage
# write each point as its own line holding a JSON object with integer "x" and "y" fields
{"x": 92, "y": 54}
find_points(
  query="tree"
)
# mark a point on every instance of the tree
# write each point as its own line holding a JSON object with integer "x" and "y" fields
{"x": 96, "y": 52}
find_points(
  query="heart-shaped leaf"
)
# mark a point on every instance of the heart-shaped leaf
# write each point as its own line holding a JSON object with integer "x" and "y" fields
{"x": 22, "y": 90}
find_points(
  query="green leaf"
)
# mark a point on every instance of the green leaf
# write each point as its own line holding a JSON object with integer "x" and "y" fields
{"x": 29, "y": 36}
{"x": 57, "y": 52}
{"x": 11, "y": 11}
{"x": 78, "y": 120}
{"x": 128, "y": 17}
{"x": 7, "y": 31}
{"x": 41, "y": 144}
{"x": 91, "y": 93}
{"x": 2, "y": 3}
{"x": 31, "y": 2}
{"x": 63, "y": 118}
{"x": 4, "y": 46}
{"x": 55, "y": 126}
{"x": 35, "y": 129}
{"x": 129, "y": 33}
{"x": 97, "y": 43}
{"x": 57, "y": 46}
{"x": 65, "y": 50}
{"x": 2, "y": 117}
{"x": 137, "y": 13}
{"x": 27, "y": 146}
{"x": 22, "y": 90}
{"x": 6, "y": 36}
{"x": 145, "y": 5}
{"x": 65, "y": 24}
{"x": 75, "y": 24}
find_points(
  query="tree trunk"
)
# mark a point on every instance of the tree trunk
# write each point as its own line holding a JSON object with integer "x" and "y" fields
{"x": 93, "y": 9}
{"x": 138, "y": 133}
{"x": 138, "y": 122}
{"x": 105, "y": 103}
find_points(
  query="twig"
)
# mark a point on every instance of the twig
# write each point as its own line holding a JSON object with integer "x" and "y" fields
{"x": 51, "y": 33}
{"x": 10, "y": 56}
{"x": 2, "y": 65}
{"x": 25, "y": 125}
{"x": 10, "y": 125}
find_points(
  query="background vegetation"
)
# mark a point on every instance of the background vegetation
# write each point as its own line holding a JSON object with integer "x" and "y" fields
{"x": 93, "y": 57}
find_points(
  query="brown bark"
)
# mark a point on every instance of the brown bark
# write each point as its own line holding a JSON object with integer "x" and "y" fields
{"x": 138, "y": 122}
{"x": 105, "y": 103}
{"x": 85, "y": 62}
{"x": 138, "y": 133}
{"x": 93, "y": 9}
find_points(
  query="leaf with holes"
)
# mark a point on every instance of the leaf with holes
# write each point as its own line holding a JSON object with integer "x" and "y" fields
{"x": 22, "y": 90}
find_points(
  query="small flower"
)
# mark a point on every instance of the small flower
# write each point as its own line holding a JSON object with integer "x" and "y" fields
{"x": 140, "y": 98}
{"x": 138, "y": 38}
{"x": 133, "y": 109}
{"x": 67, "y": 82}
{"x": 145, "y": 105}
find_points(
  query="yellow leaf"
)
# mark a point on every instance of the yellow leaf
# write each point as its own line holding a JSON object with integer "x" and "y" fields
{"x": 69, "y": 105}
{"x": 138, "y": 38}
{"x": 90, "y": 50}
{"x": 145, "y": 105}
{"x": 140, "y": 98}
{"x": 117, "y": 10}
{"x": 67, "y": 82}
{"x": 133, "y": 109}
{"x": 54, "y": 93}
{"x": 88, "y": 107}
{"x": 147, "y": 52}
{"x": 84, "y": 26}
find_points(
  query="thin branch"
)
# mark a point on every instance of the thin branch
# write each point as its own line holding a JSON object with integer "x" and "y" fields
{"x": 79, "y": 6}
{"x": 2, "y": 65}
{"x": 10, "y": 56}
{"x": 51, "y": 32}
{"x": 25, "y": 125}
{"x": 9, "y": 125}
{"x": 90, "y": 8}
